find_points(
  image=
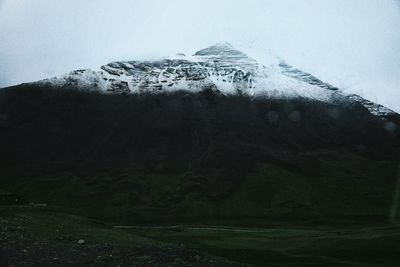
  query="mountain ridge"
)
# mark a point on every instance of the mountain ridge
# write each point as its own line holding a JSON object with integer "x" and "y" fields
{"x": 220, "y": 68}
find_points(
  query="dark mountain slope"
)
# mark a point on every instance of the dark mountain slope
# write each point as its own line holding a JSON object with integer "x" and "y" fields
{"x": 183, "y": 156}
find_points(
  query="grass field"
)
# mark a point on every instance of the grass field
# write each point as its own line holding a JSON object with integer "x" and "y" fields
{"x": 368, "y": 245}
{"x": 46, "y": 236}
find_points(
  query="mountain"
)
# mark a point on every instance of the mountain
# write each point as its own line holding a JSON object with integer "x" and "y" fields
{"x": 212, "y": 138}
{"x": 220, "y": 68}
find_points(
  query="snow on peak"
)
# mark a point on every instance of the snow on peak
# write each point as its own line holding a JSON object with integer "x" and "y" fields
{"x": 219, "y": 67}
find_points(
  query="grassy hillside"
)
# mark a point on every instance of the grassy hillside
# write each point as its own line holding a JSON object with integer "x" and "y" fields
{"x": 196, "y": 157}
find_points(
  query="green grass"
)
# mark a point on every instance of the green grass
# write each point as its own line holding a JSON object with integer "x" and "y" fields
{"x": 282, "y": 245}
{"x": 329, "y": 186}
{"x": 320, "y": 246}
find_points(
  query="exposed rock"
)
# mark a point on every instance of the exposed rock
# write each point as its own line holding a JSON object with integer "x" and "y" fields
{"x": 221, "y": 66}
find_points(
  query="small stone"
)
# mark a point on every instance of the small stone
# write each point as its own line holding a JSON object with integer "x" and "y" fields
{"x": 81, "y": 241}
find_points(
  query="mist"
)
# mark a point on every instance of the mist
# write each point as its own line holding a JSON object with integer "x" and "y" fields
{"x": 354, "y": 45}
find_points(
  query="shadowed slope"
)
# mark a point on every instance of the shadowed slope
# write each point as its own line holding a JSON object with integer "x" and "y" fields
{"x": 186, "y": 156}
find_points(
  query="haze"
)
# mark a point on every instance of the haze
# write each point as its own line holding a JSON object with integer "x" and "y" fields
{"x": 354, "y": 44}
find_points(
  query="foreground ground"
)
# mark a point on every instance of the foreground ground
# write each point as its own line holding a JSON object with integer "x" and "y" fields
{"x": 43, "y": 236}
{"x": 39, "y": 236}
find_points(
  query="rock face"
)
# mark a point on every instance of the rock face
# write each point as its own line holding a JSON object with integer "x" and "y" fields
{"x": 220, "y": 68}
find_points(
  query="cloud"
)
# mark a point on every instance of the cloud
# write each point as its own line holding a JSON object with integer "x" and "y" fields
{"x": 352, "y": 44}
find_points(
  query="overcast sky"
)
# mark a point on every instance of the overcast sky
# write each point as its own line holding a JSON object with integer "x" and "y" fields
{"x": 353, "y": 44}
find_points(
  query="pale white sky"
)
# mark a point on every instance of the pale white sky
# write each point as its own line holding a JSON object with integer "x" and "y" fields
{"x": 351, "y": 44}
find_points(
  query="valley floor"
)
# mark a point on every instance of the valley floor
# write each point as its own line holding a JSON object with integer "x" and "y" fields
{"x": 41, "y": 236}
{"x": 345, "y": 245}
{"x": 44, "y": 236}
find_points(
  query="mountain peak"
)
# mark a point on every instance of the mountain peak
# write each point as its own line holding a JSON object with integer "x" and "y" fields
{"x": 219, "y": 66}
{"x": 220, "y": 49}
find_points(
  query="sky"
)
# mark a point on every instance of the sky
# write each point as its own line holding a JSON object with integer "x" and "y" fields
{"x": 354, "y": 45}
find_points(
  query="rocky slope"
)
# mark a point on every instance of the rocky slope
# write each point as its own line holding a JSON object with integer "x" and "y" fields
{"x": 220, "y": 68}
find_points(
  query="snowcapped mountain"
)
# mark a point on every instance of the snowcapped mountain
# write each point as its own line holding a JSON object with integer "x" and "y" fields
{"x": 220, "y": 68}
{"x": 203, "y": 154}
